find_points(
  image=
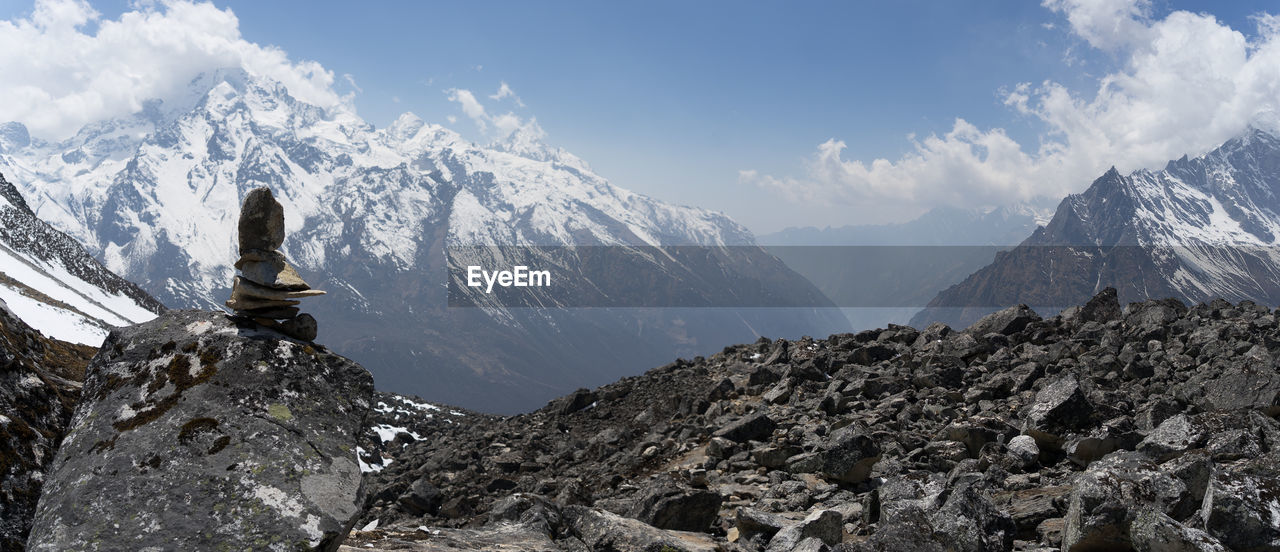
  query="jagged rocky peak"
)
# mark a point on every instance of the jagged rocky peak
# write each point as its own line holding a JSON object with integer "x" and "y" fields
{"x": 201, "y": 431}
{"x": 268, "y": 287}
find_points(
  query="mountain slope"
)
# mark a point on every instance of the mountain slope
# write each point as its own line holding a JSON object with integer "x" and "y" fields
{"x": 49, "y": 281}
{"x": 1198, "y": 229}
{"x": 370, "y": 214}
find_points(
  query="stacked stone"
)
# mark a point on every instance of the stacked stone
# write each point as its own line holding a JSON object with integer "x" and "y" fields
{"x": 268, "y": 288}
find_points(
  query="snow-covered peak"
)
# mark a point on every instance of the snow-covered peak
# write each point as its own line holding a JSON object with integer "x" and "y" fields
{"x": 527, "y": 141}
{"x": 405, "y": 127}
{"x": 1267, "y": 122}
{"x": 13, "y": 136}
{"x": 166, "y": 183}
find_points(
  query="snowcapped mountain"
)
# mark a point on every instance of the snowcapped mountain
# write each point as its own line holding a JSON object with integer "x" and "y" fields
{"x": 1198, "y": 229}
{"x": 50, "y": 282}
{"x": 369, "y": 214}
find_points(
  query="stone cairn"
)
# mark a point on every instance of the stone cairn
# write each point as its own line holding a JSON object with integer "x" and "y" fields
{"x": 268, "y": 288}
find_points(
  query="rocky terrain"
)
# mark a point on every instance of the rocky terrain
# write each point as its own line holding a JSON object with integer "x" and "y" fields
{"x": 39, "y": 386}
{"x": 1148, "y": 427}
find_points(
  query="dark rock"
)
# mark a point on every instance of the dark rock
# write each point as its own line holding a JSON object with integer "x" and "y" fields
{"x": 849, "y": 455}
{"x": 751, "y": 522}
{"x": 1024, "y": 451}
{"x": 1247, "y": 385}
{"x": 1059, "y": 409}
{"x": 37, "y": 397}
{"x": 576, "y": 401}
{"x": 1004, "y": 322}
{"x": 774, "y": 457}
{"x": 910, "y": 530}
{"x": 600, "y": 530}
{"x": 422, "y": 498}
{"x": 528, "y": 510}
{"x": 824, "y": 525}
{"x": 194, "y": 433}
{"x": 1030, "y": 507}
{"x": 756, "y": 427}
{"x": 971, "y": 522}
{"x": 261, "y": 223}
{"x": 1242, "y": 504}
{"x": 1102, "y": 308}
{"x": 1154, "y": 531}
{"x": 668, "y": 505}
{"x": 1107, "y": 497}
{"x": 301, "y": 327}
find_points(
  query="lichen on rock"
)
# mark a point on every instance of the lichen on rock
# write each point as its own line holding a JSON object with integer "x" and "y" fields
{"x": 197, "y": 432}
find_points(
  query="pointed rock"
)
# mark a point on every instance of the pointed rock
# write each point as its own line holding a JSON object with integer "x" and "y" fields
{"x": 261, "y": 221}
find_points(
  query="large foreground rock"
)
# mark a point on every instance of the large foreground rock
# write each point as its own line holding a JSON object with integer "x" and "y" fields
{"x": 197, "y": 434}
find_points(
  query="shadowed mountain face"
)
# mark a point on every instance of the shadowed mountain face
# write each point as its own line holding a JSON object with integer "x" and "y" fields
{"x": 369, "y": 216}
{"x": 1198, "y": 229}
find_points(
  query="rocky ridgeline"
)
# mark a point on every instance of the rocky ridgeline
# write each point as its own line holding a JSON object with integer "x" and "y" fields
{"x": 39, "y": 386}
{"x": 1147, "y": 428}
{"x": 268, "y": 287}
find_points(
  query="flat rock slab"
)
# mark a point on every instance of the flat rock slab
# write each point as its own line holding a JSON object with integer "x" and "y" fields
{"x": 245, "y": 288}
{"x": 504, "y": 537}
{"x": 195, "y": 433}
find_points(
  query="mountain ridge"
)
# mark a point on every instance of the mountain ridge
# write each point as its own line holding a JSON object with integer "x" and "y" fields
{"x": 370, "y": 214}
{"x": 1200, "y": 228}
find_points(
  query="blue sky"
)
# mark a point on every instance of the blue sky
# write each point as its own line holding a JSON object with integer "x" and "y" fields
{"x": 678, "y": 99}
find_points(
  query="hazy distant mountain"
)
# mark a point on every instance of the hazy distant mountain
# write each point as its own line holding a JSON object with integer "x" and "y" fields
{"x": 1005, "y": 225}
{"x": 887, "y": 273}
{"x": 369, "y": 215}
{"x": 1198, "y": 229}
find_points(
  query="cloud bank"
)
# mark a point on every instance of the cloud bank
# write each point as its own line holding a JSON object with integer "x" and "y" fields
{"x": 1186, "y": 83}
{"x": 65, "y": 66}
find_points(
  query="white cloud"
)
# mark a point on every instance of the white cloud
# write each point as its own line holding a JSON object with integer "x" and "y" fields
{"x": 59, "y": 75}
{"x": 1185, "y": 84}
{"x": 352, "y": 81}
{"x": 505, "y": 91}
{"x": 497, "y": 126}
{"x": 470, "y": 107}
{"x": 1107, "y": 24}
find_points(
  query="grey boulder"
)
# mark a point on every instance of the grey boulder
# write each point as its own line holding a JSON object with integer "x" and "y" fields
{"x": 197, "y": 434}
